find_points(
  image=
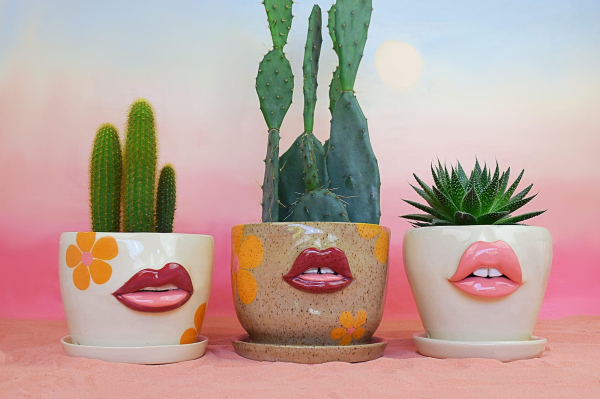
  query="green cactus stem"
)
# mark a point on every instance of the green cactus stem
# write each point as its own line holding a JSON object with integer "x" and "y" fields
{"x": 312, "y": 52}
{"x": 279, "y": 16}
{"x": 270, "y": 187}
{"x": 320, "y": 205}
{"x": 139, "y": 169}
{"x": 352, "y": 18}
{"x": 331, "y": 26}
{"x": 335, "y": 89}
{"x": 105, "y": 180}
{"x": 166, "y": 199}
{"x": 275, "y": 87}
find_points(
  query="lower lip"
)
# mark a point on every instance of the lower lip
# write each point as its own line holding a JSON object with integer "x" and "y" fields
{"x": 495, "y": 287}
{"x": 158, "y": 300}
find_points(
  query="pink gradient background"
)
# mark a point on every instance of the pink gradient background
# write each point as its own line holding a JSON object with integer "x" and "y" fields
{"x": 57, "y": 87}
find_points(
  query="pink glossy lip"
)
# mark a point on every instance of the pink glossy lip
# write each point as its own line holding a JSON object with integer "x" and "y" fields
{"x": 498, "y": 255}
{"x": 333, "y": 258}
{"x": 132, "y": 295}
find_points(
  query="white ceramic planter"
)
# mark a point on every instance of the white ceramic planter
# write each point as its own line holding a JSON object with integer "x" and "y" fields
{"x": 98, "y": 270}
{"x": 490, "y": 310}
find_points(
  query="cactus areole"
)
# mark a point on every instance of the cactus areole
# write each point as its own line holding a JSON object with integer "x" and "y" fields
{"x": 338, "y": 181}
{"x": 127, "y": 182}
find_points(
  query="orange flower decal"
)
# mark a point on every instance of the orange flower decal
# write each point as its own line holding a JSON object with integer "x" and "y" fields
{"x": 247, "y": 254}
{"x": 190, "y": 335}
{"x": 352, "y": 327}
{"x": 88, "y": 258}
{"x": 382, "y": 244}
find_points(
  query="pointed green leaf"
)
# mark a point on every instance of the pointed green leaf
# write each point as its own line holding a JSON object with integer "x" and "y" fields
{"x": 464, "y": 218}
{"x": 513, "y": 206}
{"x": 457, "y": 189}
{"x": 489, "y": 193}
{"x": 512, "y": 189}
{"x": 503, "y": 182}
{"x": 426, "y": 188}
{"x": 439, "y": 222}
{"x": 436, "y": 178}
{"x": 519, "y": 218}
{"x": 462, "y": 176}
{"x": 491, "y": 218}
{"x": 445, "y": 202}
{"x": 471, "y": 203}
{"x": 418, "y": 217}
{"x": 437, "y": 213}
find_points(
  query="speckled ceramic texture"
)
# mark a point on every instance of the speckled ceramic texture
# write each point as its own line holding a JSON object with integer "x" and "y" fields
{"x": 309, "y": 354}
{"x": 273, "y": 312}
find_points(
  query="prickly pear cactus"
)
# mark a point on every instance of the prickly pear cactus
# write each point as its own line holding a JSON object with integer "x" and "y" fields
{"x": 165, "y": 199}
{"x": 337, "y": 182}
{"x": 279, "y": 15}
{"x": 351, "y": 163}
{"x": 105, "y": 180}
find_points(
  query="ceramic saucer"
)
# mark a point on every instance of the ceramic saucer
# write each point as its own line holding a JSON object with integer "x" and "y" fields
{"x": 504, "y": 351}
{"x": 139, "y": 354}
{"x": 308, "y": 354}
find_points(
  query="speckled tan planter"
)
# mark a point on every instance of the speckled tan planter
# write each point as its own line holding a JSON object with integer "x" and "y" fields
{"x": 274, "y": 312}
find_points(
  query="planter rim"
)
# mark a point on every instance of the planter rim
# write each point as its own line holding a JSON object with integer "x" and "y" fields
{"x": 476, "y": 226}
{"x": 136, "y": 232}
{"x": 309, "y": 223}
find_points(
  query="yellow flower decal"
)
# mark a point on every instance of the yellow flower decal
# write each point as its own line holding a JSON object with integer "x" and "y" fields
{"x": 88, "y": 258}
{"x": 382, "y": 245}
{"x": 352, "y": 327}
{"x": 247, "y": 254}
{"x": 190, "y": 335}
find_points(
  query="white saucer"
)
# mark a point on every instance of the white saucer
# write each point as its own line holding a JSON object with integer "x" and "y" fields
{"x": 504, "y": 351}
{"x": 138, "y": 354}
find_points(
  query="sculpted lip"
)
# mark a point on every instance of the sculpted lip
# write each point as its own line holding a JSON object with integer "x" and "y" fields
{"x": 320, "y": 271}
{"x": 156, "y": 291}
{"x": 488, "y": 269}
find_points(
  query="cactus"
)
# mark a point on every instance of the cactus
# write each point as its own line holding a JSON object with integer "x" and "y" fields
{"x": 337, "y": 182}
{"x": 136, "y": 171}
{"x": 165, "y": 200}
{"x": 105, "y": 180}
{"x": 275, "y": 87}
{"x": 140, "y": 158}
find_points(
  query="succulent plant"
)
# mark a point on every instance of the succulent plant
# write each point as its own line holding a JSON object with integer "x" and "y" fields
{"x": 338, "y": 181}
{"x": 482, "y": 198}
{"x": 145, "y": 209}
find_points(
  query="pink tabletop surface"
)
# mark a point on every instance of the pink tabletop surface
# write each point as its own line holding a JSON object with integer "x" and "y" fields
{"x": 32, "y": 364}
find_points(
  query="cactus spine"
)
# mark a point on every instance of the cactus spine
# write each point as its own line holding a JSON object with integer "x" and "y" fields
{"x": 105, "y": 180}
{"x": 165, "y": 199}
{"x": 310, "y": 180}
{"x": 136, "y": 171}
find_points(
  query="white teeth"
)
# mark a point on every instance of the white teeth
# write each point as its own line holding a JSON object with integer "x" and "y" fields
{"x": 326, "y": 270}
{"x": 483, "y": 272}
{"x": 163, "y": 288}
{"x": 494, "y": 272}
{"x": 312, "y": 270}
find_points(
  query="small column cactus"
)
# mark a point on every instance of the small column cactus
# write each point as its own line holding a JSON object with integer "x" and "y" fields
{"x": 338, "y": 181}
{"x": 145, "y": 208}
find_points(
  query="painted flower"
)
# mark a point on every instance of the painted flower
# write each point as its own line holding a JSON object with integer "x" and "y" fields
{"x": 190, "y": 335}
{"x": 246, "y": 255}
{"x": 351, "y": 327}
{"x": 382, "y": 244}
{"x": 88, "y": 258}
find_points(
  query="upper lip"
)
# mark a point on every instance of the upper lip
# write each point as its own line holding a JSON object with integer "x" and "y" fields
{"x": 333, "y": 258}
{"x": 491, "y": 255}
{"x": 170, "y": 274}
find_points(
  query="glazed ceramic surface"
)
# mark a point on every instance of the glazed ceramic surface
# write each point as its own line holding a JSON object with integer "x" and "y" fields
{"x": 443, "y": 264}
{"x": 135, "y": 289}
{"x": 277, "y": 303}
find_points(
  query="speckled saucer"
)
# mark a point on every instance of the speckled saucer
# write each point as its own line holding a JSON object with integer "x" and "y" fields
{"x": 505, "y": 351}
{"x": 138, "y": 355}
{"x": 306, "y": 354}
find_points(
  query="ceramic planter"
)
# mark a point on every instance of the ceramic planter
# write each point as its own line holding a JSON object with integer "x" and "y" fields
{"x": 277, "y": 303}
{"x": 442, "y": 264}
{"x": 101, "y": 275}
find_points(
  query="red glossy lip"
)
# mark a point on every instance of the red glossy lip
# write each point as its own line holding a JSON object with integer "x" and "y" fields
{"x": 333, "y": 258}
{"x": 132, "y": 296}
{"x": 498, "y": 255}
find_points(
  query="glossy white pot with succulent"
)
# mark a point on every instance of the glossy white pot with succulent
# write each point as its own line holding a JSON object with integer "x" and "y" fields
{"x": 476, "y": 274}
